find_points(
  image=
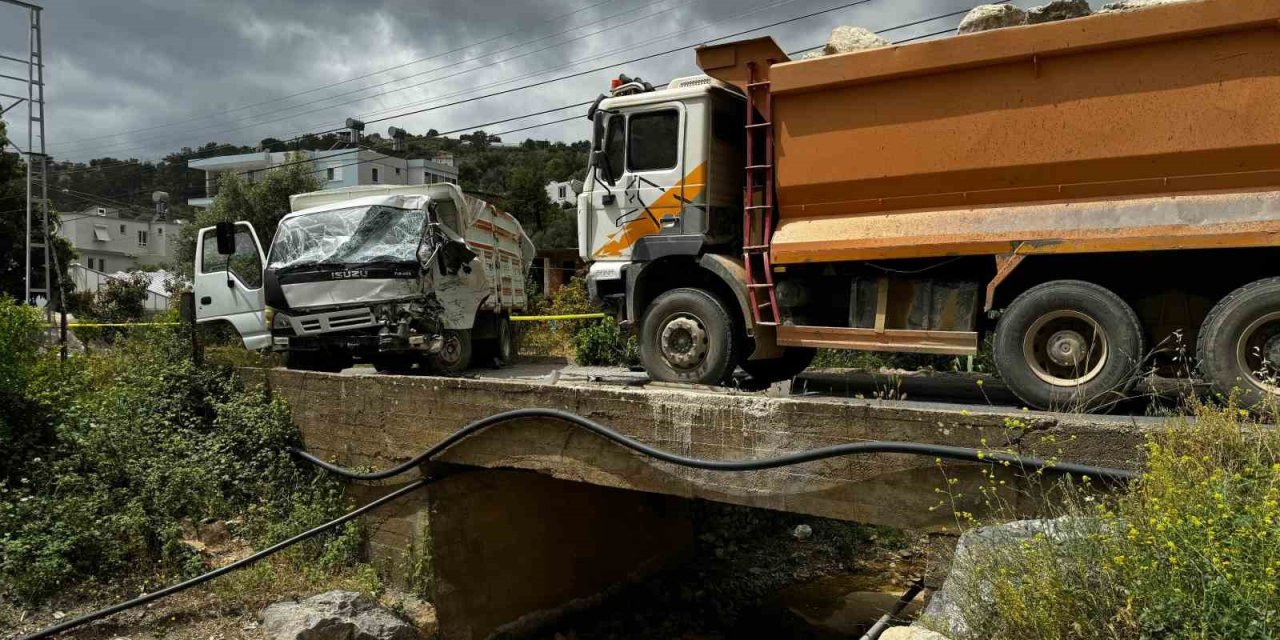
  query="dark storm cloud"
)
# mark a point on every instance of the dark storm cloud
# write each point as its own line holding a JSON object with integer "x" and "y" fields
{"x": 128, "y": 67}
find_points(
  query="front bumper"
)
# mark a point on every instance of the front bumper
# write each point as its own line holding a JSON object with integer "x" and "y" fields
{"x": 358, "y": 331}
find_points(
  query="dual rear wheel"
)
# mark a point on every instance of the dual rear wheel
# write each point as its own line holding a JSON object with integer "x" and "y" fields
{"x": 1075, "y": 345}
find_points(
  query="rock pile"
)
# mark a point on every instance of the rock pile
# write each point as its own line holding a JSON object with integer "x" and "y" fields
{"x": 846, "y": 38}
{"x": 992, "y": 16}
{"x": 1058, "y": 10}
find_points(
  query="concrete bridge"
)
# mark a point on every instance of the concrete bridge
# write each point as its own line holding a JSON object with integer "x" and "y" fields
{"x": 533, "y": 518}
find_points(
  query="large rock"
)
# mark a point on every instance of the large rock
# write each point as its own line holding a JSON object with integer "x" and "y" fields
{"x": 911, "y": 633}
{"x": 334, "y": 615}
{"x": 1130, "y": 5}
{"x": 1058, "y": 10}
{"x": 992, "y": 16}
{"x": 845, "y": 39}
{"x": 977, "y": 548}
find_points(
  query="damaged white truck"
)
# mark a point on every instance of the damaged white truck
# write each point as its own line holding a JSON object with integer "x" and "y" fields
{"x": 402, "y": 277}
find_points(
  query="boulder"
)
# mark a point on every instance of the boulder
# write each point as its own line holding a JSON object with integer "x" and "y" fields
{"x": 911, "y": 633}
{"x": 1058, "y": 10}
{"x": 334, "y": 615}
{"x": 845, "y": 39}
{"x": 992, "y": 16}
{"x": 981, "y": 547}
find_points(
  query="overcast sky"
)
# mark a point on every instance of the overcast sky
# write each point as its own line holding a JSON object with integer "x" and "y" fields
{"x": 139, "y": 78}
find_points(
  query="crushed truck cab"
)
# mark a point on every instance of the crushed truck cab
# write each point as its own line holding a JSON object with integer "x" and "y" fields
{"x": 398, "y": 276}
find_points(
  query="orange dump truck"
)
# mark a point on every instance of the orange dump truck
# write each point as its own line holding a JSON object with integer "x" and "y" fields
{"x": 1099, "y": 196}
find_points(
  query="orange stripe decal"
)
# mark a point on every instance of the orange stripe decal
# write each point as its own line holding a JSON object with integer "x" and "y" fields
{"x": 621, "y": 240}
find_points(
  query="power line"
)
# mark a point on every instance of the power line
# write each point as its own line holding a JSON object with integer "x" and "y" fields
{"x": 516, "y": 78}
{"x": 609, "y": 66}
{"x": 352, "y": 79}
{"x": 432, "y": 70}
{"x": 474, "y": 127}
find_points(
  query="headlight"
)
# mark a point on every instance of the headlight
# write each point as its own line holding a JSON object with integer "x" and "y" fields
{"x": 278, "y": 320}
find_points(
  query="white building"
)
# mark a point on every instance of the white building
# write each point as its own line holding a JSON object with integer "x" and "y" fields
{"x": 108, "y": 242}
{"x": 564, "y": 194}
{"x": 334, "y": 169}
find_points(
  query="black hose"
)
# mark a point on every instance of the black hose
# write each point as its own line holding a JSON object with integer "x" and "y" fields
{"x": 203, "y": 578}
{"x": 885, "y": 620}
{"x": 857, "y": 448}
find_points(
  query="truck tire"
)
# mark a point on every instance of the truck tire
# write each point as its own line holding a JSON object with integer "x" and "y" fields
{"x": 501, "y": 348}
{"x": 316, "y": 361}
{"x": 1239, "y": 343}
{"x": 1068, "y": 345}
{"x": 793, "y": 361}
{"x": 687, "y": 336}
{"x": 454, "y": 356}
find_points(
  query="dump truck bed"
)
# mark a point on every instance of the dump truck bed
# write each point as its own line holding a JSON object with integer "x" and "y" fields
{"x": 954, "y": 137}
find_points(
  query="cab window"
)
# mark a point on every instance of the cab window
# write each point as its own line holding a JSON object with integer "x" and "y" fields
{"x": 654, "y": 141}
{"x": 244, "y": 263}
{"x": 614, "y": 147}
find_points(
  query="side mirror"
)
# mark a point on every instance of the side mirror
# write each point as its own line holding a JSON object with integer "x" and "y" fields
{"x": 604, "y": 170}
{"x": 226, "y": 232}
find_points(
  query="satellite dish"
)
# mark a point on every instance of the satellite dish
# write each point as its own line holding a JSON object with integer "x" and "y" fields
{"x": 355, "y": 125}
{"x": 159, "y": 196}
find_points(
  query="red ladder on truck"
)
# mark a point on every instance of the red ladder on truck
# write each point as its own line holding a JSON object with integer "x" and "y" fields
{"x": 757, "y": 205}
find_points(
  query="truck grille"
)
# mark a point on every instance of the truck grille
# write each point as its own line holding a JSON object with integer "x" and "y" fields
{"x": 334, "y": 321}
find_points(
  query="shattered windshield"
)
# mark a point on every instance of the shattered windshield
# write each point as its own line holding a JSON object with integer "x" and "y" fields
{"x": 358, "y": 235}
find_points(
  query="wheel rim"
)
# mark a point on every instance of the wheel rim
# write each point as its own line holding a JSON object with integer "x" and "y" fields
{"x": 683, "y": 341}
{"x": 451, "y": 351}
{"x": 1065, "y": 348}
{"x": 1258, "y": 352}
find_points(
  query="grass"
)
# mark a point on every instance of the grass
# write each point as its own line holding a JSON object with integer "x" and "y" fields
{"x": 1191, "y": 550}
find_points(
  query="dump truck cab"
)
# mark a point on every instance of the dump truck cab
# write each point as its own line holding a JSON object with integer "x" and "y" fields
{"x": 661, "y": 209}
{"x": 398, "y": 276}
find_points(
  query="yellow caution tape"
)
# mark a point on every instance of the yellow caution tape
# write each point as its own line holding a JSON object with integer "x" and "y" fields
{"x": 570, "y": 316}
{"x": 119, "y": 324}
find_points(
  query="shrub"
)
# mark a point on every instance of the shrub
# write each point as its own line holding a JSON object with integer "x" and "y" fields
{"x": 135, "y": 440}
{"x": 20, "y": 327}
{"x": 555, "y": 338}
{"x": 605, "y": 343}
{"x": 1192, "y": 550}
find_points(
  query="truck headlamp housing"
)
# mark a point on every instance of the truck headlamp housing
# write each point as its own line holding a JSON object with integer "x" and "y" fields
{"x": 277, "y": 320}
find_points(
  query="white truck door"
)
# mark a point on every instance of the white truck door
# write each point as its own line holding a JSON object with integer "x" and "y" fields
{"x": 229, "y": 287}
{"x": 642, "y": 149}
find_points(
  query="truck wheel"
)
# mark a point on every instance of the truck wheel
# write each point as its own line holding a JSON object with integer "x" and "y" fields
{"x": 1239, "y": 343}
{"x": 455, "y": 355}
{"x": 1068, "y": 345}
{"x": 793, "y": 361}
{"x": 501, "y": 348}
{"x": 687, "y": 336}
{"x": 400, "y": 363}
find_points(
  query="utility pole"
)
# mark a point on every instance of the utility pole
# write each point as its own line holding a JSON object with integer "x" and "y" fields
{"x": 37, "y": 278}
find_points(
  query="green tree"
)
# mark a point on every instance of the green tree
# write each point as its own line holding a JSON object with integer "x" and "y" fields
{"x": 12, "y": 220}
{"x": 13, "y": 224}
{"x": 262, "y": 204}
